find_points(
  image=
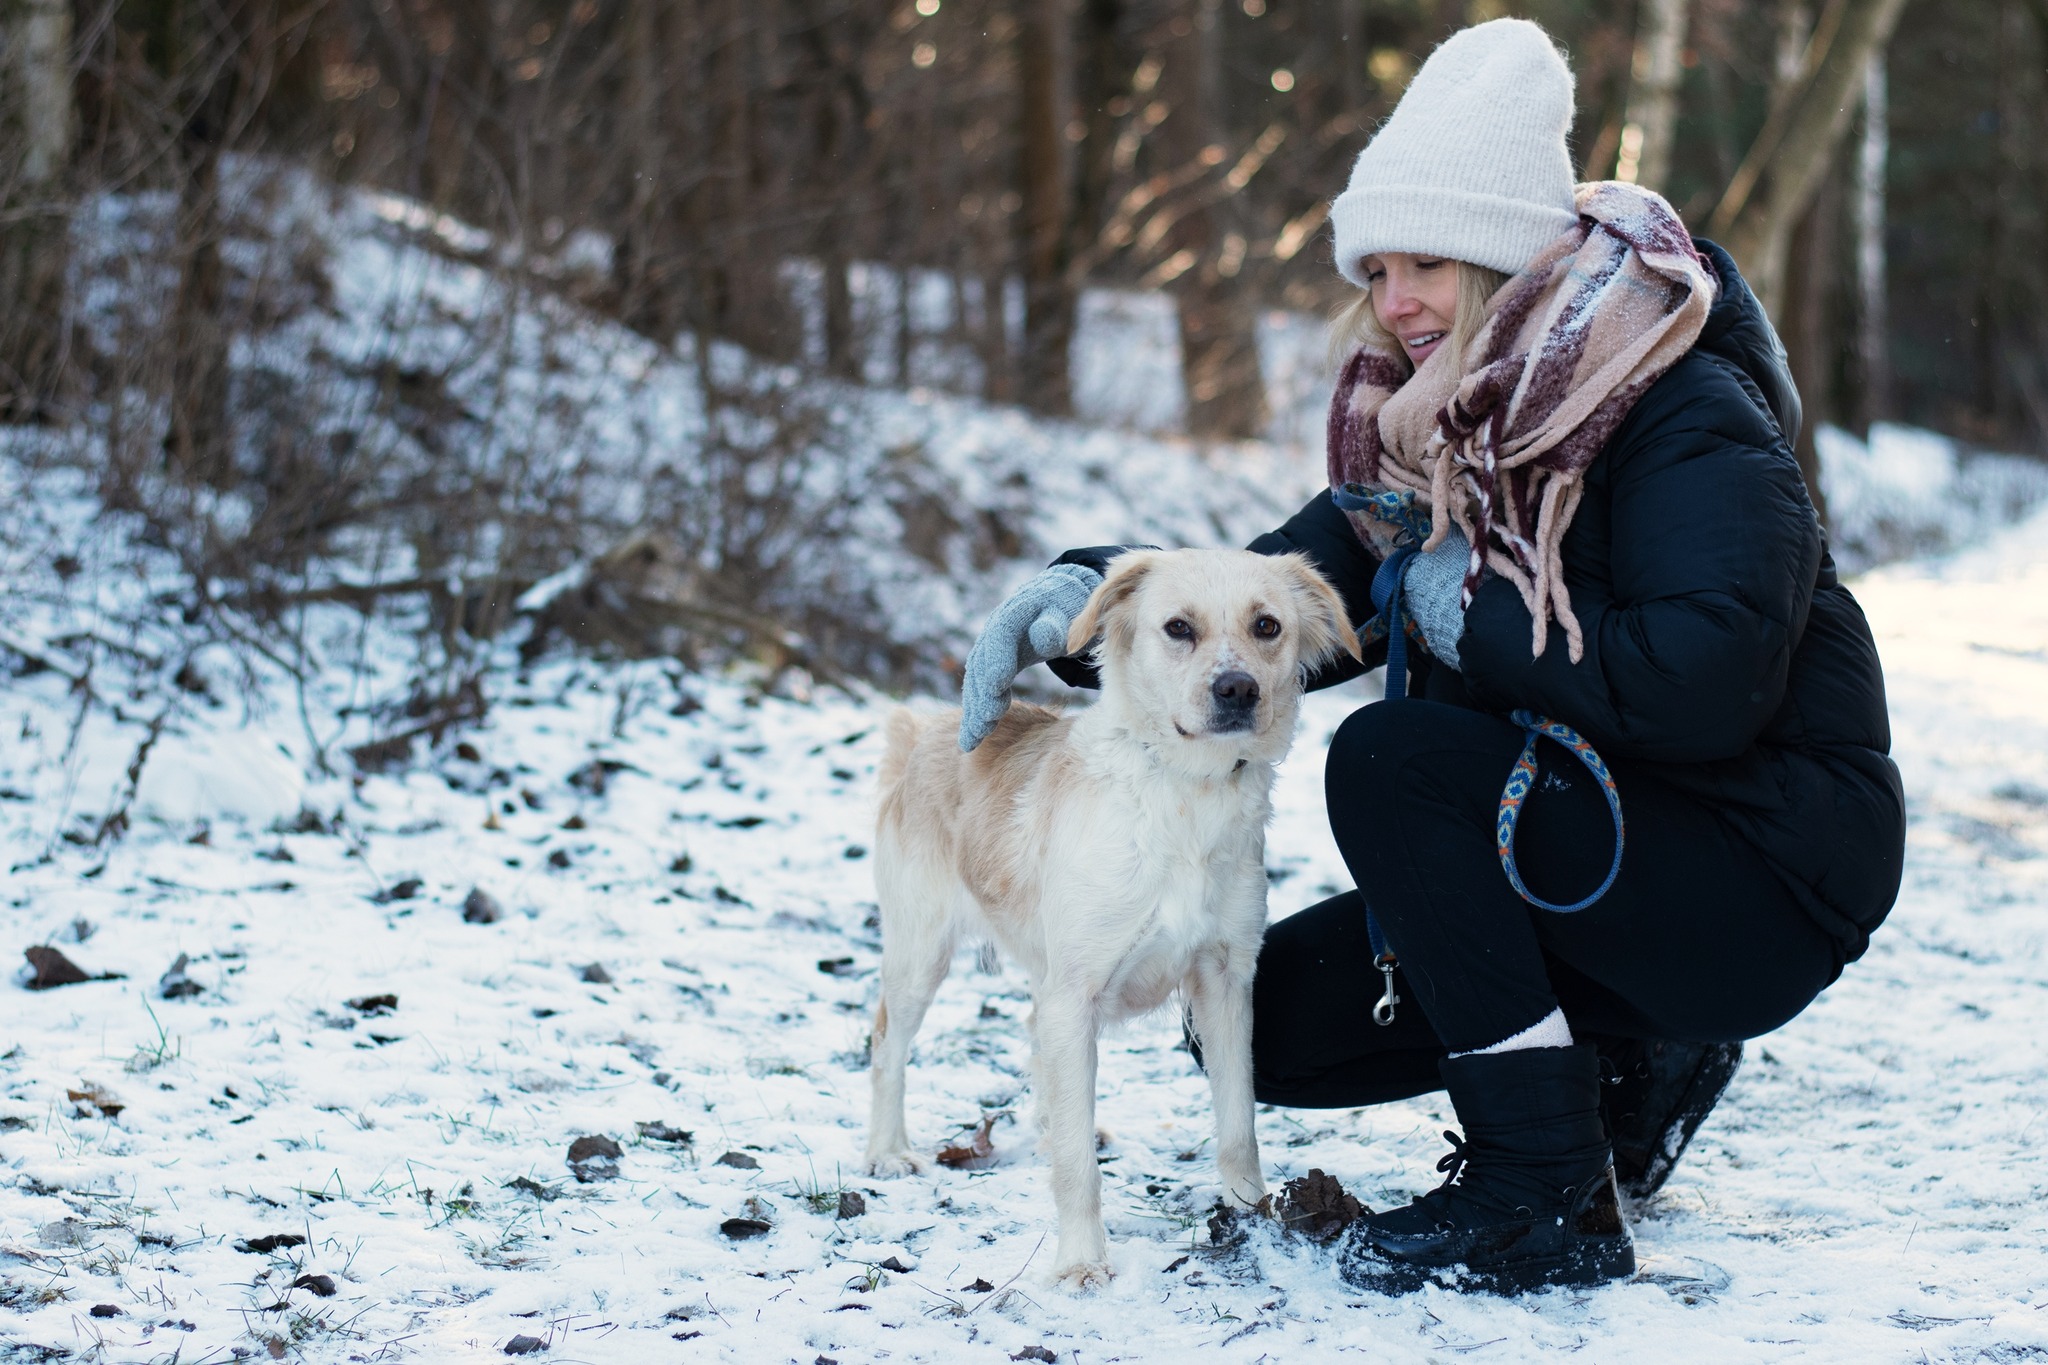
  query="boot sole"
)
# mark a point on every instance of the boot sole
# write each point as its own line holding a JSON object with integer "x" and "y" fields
{"x": 1586, "y": 1265}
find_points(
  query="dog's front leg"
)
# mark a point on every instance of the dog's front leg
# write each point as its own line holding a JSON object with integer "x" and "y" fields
{"x": 1220, "y": 994}
{"x": 1064, "y": 1029}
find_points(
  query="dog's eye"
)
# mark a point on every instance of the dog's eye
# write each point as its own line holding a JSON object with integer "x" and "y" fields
{"x": 1266, "y": 628}
{"x": 1179, "y": 629}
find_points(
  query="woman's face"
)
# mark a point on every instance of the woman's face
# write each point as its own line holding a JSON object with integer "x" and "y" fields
{"x": 1414, "y": 297}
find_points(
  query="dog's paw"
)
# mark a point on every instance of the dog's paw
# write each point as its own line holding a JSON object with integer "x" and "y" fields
{"x": 1083, "y": 1276}
{"x": 889, "y": 1165}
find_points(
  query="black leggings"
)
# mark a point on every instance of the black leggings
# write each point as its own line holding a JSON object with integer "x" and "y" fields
{"x": 1697, "y": 940}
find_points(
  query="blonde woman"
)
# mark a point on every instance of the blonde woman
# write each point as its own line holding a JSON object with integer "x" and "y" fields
{"x": 1575, "y": 423}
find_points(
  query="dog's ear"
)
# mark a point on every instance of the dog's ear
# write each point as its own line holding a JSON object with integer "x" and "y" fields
{"x": 1325, "y": 626}
{"x": 1102, "y": 614}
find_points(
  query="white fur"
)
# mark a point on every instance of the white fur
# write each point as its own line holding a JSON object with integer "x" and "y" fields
{"x": 1117, "y": 855}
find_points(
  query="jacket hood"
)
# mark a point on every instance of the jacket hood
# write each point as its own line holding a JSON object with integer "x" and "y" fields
{"x": 1738, "y": 330}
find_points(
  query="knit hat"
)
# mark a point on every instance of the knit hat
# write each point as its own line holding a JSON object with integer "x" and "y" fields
{"x": 1471, "y": 165}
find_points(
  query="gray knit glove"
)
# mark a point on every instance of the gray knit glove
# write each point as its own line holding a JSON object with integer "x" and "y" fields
{"x": 1028, "y": 629}
{"x": 1432, "y": 590}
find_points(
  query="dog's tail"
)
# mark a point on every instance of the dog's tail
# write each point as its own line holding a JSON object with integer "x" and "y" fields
{"x": 900, "y": 736}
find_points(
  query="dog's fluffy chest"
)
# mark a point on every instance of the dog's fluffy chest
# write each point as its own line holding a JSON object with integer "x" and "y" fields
{"x": 1190, "y": 882}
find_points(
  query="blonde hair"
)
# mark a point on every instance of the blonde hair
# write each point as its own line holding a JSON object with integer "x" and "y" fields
{"x": 1355, "y": 323}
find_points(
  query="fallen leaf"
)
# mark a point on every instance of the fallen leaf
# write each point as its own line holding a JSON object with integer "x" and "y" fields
{"x": 175, "y": 985}
{"x": 276, "y": 1241}
{"x": 52, "y": 969}
{"x": 97, "y": 1098}
{"x": 852, "y": 1204}
{"x": 1317, "y": 1206}
{"x": 405, "y": 889}
{"x": 525, "y": 1346}
{"x": 544, "y": 1193}
{"x": 320, "y": 1285}
{"x": 657, "y": 1131}
{"x": 594, "y": 1158}
{"x": 895, "y": 1265}
{"x": 481, "y": 907}
{"x": 374, "y": 1005}
{"x": 979, "y": 1152}
{"x": 1038, "y": 1353}
{"x": 740, "y": 1229}
{"x": 105, "y": 1310}
{"x": 980, "y": 1286}
{"x": 739, "y": 1161}
{"x": 595, "y": 974}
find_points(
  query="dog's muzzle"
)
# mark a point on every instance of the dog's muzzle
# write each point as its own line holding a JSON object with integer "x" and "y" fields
{"x": 1234, "y": 701}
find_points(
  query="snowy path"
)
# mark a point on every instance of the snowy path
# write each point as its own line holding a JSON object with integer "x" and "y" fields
{"x": 1874, "y": 1187}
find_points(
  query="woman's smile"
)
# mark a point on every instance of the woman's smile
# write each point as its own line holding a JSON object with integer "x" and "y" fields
{"x": 1420, "y": 345}
{"x": 1414, "y": 297}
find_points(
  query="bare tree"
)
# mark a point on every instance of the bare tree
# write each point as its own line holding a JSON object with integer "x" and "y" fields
{"x": 35, "y": 151}
{"x": 1045, "y": 70}
{"x": 1226, "y": 392}
{"x": 1775, "y": 184}
{"x": 1652, "y": 118}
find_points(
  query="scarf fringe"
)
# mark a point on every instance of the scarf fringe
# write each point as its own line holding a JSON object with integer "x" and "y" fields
{"x": 1500, "y": 449}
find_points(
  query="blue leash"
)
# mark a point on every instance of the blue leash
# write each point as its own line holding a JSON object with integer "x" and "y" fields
{"x": 1398, "y": 510}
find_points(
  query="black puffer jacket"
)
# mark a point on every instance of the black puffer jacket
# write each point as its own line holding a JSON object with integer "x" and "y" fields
{"x": 1722, "y": 652}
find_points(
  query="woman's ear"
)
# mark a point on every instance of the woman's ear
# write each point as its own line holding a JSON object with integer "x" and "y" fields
{"x": 1101, "y": 615}
{"x": 1325, "y": 625}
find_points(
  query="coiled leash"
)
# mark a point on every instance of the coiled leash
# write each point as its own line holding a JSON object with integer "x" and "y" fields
{"x": 1398, "y": 510}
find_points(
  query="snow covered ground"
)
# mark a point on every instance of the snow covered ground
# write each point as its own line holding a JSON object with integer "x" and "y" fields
{"x": 685, "y": 945}
{"x": 633, "y": 904}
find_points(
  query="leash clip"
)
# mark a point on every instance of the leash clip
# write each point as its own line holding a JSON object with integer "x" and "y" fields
{"x": 1383, "y": 1012}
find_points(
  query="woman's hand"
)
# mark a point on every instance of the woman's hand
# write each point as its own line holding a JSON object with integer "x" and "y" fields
{"x": 1028, "y": 629}
{"x": 1433, "y": 591}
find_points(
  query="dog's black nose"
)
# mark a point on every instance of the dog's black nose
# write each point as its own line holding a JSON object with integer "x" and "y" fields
{"x": 1235, "y": 691}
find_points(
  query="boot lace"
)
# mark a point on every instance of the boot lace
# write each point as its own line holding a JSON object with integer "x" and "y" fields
{"x": 1453, "y": 1162}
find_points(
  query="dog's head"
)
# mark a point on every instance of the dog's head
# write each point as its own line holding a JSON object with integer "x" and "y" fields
{"x": 1208, "y": 648}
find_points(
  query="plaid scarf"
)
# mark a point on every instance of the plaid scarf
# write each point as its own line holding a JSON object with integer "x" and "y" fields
{"x": 1500, "y": 446}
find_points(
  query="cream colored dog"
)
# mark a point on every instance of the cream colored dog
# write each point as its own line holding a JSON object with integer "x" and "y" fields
{"x": 1117, "y": 854}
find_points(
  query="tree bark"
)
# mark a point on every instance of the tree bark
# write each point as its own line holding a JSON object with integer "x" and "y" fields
{"x": 1809, "y": 340}
{"x": 1219, "y": 338}
{"x": 1871, "y": 312}
{"x": 200, "y": 57}
{"x": 36, "y": 124}
{"x": 1045, "y": 64}
{"x": 1774, "y": 186}
{"x": 1646, "y": 134}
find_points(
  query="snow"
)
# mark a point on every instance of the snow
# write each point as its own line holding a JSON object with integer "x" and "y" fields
{"x": 1874, "y": 1187}
{"x": 1906, "y": 491}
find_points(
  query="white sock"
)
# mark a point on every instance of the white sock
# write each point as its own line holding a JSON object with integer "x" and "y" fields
{"x": 1549, "y": 1031}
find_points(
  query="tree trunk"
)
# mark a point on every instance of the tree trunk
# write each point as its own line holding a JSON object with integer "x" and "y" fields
{"x": 200, "y": 57}
{"x": 36, "y": 126}
{"x": 1653, "y": 94}
{"x": 1871, "y": 312}
{"x": 1219, "y": 337}
{"x": 1810, "y": 342}
{"x": 1045, "y": 64}
{"x": 1774, "y": 186}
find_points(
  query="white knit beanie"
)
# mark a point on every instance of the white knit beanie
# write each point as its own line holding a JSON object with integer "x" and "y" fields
{"x": 1472, "y": 164}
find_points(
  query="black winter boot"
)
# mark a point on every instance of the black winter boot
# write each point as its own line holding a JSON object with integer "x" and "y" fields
{"x": 1657, "y": 1093}
{"x": 1529, "y": 1199}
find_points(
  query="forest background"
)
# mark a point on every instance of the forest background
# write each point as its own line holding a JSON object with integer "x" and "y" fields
{"x": 783, "y": 175}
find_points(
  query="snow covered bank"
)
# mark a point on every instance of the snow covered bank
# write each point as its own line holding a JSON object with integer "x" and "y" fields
{"x": 1907, "y": 491}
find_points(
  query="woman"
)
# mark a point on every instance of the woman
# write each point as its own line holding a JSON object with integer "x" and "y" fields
{"x": 1565, "y": 379}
